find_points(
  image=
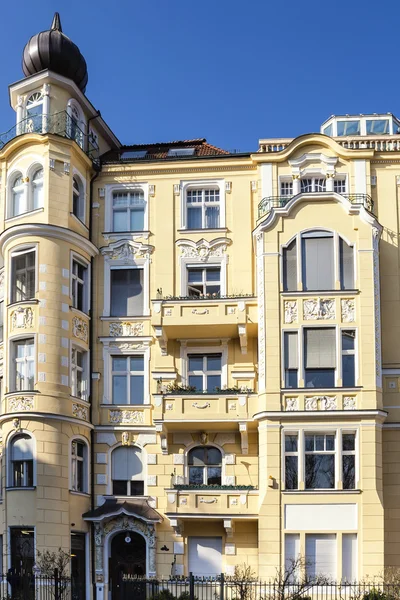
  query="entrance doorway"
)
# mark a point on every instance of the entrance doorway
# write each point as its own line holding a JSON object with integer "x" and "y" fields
{"x": 127, "y": 562}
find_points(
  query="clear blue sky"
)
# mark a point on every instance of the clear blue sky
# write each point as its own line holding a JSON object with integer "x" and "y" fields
{"x": 229, "y": 70}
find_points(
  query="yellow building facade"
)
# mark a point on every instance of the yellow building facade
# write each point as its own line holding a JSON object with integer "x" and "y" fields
{"x": 199, "y": 352}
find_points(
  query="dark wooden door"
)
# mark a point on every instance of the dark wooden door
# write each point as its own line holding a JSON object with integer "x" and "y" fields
{"x": 127, "y": 563}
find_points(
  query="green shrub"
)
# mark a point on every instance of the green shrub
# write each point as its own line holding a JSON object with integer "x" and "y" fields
{"x": 375, "y": 594}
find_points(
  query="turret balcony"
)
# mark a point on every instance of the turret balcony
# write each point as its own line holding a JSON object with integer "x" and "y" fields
{"x": 280, "y": 202}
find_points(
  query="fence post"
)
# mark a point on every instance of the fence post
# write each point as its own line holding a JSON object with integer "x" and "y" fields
{"x": 56, "y": 585}
{"x": 222, "y": 587}
{"x": 191, "y": 586}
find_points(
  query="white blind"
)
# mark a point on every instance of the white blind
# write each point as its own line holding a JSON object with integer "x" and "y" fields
{"x": 318, "y": 263}
{"x": 291, "y": 354}
{"x": 320, "y": 348}
{"x": 349, "y": 557}
{"x": 292, "y": 550}
{"x": 126, "y": 464}
{"x": 22, "y": 448}
{"x": 321, "y": 555}
{"x": 290, "y": 267}
{"x": 346, "y": 265}
{"x": 205, "y": 556}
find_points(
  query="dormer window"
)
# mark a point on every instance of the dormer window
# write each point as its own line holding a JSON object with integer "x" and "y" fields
{"x": 348, "y": 128}
{"x": 378, "y": 126}
{"x": 34, "y": 113}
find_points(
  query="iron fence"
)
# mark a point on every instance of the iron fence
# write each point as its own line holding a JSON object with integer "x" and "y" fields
{"x": 229, "y": 588}
{"x": 28, "y": 586}
{"x": 270, "y": 202}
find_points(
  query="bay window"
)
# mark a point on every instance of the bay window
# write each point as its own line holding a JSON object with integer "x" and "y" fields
{"x": 37, "y": 190}
{"x": 21, "y": 464}
{"x": 291, "y": 461}
{"x": 291, "y": 359}
{"x": 79, "y": 285}
{"x": 17, "y": 196}
{"x": 23, "y": 275}
{"x": 79, "y": 466}
{"x": 319, "y": 357}
{"x": 349, "y": 461}
{"x": 24, "y": 365}
{"x": 319, "y": 461}
{"x": 348, "y": 357}
{"x": 128, "y": 379}
{"x": 312, "y": 184}
{"x": 79, "y": 375}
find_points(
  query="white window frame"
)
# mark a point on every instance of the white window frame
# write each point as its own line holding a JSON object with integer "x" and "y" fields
{"x": 197, "y": 445}
{"x": 86, "y": 466}
{"x": 336, "y": 256}
{"x": 140, "y": 263}
{"x": 286, "y": 180}
{"x": 204, "y": 373}
{"x": 12, "y": 178}
{"x": 315, "y": 179}
{"x": 109, "y": 352}
{"x": 18, "y": 250}
{"x": 84, "y": 370}
{"x": 203, "y": 184}
{"x": 27, "y": 106}
{"x": 74, "y": 257}
{"x": 82, "y": 178}
{"x": 127, "y": 374}
{"x": 222, "y": 349}
{"x": 125, "y": 187}
{"x": 109, "y": 467}
{"x": 12, "y": 370}
{"x": 301, "y": 432}
{"x": 9, "y": 473}
{"x": 349, "y": 352}
{"x": 72, "y": 105}
{"x": 341, "y": 177}
{"x": 218, "y": 262}
{"x": 203, "y": 267}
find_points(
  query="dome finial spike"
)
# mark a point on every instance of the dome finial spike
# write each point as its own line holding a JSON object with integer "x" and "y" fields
{"x": 56, "y": 24}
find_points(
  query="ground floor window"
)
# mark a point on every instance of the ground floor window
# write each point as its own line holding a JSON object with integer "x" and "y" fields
{"x": 78, "y": 565}
{"x": 205, "y": 556}
{"x": 22, "y": 542}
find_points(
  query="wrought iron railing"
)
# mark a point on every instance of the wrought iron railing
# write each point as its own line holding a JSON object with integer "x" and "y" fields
{"x": 38, "y": 586}
{"x": 199, "y": 487}
{"x": 215, "y": 296}
{"x": 60, "y": 123}
{"x": 270, "y": 202}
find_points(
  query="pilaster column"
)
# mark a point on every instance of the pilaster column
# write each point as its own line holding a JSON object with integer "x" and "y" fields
{"x": 152, "y": 550}
{"x": 296, "y": 185}
{"x": 98, "y": 541}
{"x": 329, "y": 182}
{"x": 20, "y": 114}
{"x": 46, "y": 107}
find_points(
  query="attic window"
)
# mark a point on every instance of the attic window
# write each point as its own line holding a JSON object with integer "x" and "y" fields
{"x": 134, "y": 154}
{"x": 180, "y": 152}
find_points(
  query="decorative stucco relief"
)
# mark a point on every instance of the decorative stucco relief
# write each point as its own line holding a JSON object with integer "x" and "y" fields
{"x": 204, "y": 405}
{"x": 318, "y": 308}
{"x": 292, "y": 404}
{"x": 203, "y": 250}
{"x": 126, "y": 416}
{"x": 290, "y": 307}
{"x": 127, "y": 250}
{"x": 126, "y": 329}
{"x": 22, "y": 318}
{"x": 348, "y": 310}
{"x": 349, "y": 403}
{"x": 127, "y": 346}
{"x": 20, "y": 403}
{"x": 320, "y": 403}
{"x": 80, "y": 412}
{"x": 80, "y": 329}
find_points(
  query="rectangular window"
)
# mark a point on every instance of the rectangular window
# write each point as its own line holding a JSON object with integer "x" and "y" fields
{"x": 319, "y": 461}
{"x": 286, "y": 188}
{"x": 80, "y": 285}
{"x": 291, "y": 359}
{"x": 203, "y": 208}
{"x": 349, "y": 461}
{"x": 128, "y": 379}
{"x": 126, "y": 292}
{"x": 23, "y": 275}
{"x": 378, "y": 127}
{"x": 204, "y": 281}
{"x": 22, "y": 557}
{"x": 312, "y": 184}
{"x": 348, "y": 128}
{"x": 128, "y": 211}
{"x": 78, "y": 566}
{"x": 204, "y": 371}
{"x": 78, "y": 466}
{"x": 23, "y": 352}
{"x": 319, "y": 357}
{"x": 346, "y": 265}
{"x": 292, "y": 554}
{"x": 348, "y": 358}
{"x": 205, "y": 556}
{"x": 290, "y": 267}
{"x": 318, "y": 262}
{"x": 79, "y": 373}
{"x": 349, "y": 557}
{"x": 291, "y": 461}
{"x": 321, "y": 556}
{"x": 339, "y": 186}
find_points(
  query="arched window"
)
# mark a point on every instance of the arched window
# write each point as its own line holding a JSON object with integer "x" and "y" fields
{"x": 319, "y": 255}
{"x": 34, "y": 113}
{"x": 79, "y": 466}
{"x": 205, "y": 466}
{"x": 37, "y": 189}
{"x": 21, "y": 461}
{"x": 18, "y": 201}
{"x": 127, "y": 471}
{"x": 78, "y": 200}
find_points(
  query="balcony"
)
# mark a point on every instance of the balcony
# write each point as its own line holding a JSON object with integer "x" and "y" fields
{"x": 205, "y": 317}
{"x": 271, "y": 202}
{"x": 384, "y": 143}
{"x": 61, "y": 124}
{"x": 229, "y": 500}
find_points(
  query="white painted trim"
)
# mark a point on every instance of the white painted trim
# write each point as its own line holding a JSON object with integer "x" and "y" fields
{"x": 123, "y": 263}
{"x": 222, "y": 349}
{"x": 186, "y": 185}
{"x": 74, "y": 256}
{"x": 360, "y": 176}
{"x": 108, "y": 352}
{"x": 44, "y": 230}
{"x": 187, "y": 449}
{"x": 77, "y": 174}
{"x": 221, "y": 262}
{"x": 143, "y": 459}
{"x": 10, "y": 437}
{"x": 10, "y": 372}
{"x": 87, "y": 463}
{"x": 124, "y": 187}
{"x": 15, "y": 250}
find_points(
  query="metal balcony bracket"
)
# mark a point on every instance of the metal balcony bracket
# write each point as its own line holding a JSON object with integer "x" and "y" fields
{"x": 229, "y": 527}
{"x": 244, "y": 438}
{"x": 162, "y": 339}
{"x": 177, "y": 526}
{"x": 242, "y": 330}
{"x": 162, "y": 432}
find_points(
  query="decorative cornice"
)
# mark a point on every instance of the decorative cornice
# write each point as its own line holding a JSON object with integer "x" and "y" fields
{"x": 176, "y": 171}
{"x": 127, "y": 250}
{"x": 203, "y": 250}
{"x": 43, "y": 230}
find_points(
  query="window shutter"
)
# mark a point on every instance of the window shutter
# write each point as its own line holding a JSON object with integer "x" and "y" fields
{"x": 318, "y": 263}
{"x": 290, "y": 267}
{"x": 321, "y": 555}
{"x": 205, "y": 556}
{"x": 320, "y": 348}
{"x": 22, "y": 448}
{"x": 349, "y": 557}
{"x": 291, "y": 350}
{"x": 346, "y": 255}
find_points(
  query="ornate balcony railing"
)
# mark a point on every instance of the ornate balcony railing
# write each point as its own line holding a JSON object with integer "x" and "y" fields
{"x": 60, "y": 123}
{"x": 199, "y": 487}
{"x": 203, "y": 297}
{"x": 386, "y": 143}
{"x": 270, "y": 202}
